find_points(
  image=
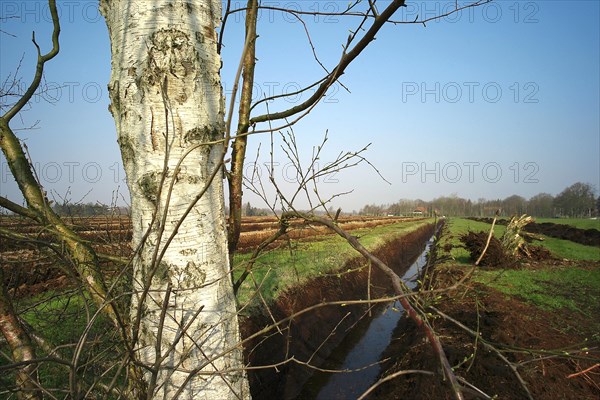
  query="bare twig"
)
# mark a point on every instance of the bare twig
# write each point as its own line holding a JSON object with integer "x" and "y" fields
{"x": 283, "y": 226}
{"x": 489, "y": 238}
{"x": 585, "y": 371}
{"x": 390, "y": 377}
{"x": 489, "y": 347}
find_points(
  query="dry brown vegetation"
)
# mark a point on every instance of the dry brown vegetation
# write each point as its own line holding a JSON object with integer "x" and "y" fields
{"x": 30, "y": 268}
{"x": 255, "y": 231}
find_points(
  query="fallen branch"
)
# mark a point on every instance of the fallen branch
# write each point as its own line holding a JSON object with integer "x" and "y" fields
{"x": 489, "y": 238}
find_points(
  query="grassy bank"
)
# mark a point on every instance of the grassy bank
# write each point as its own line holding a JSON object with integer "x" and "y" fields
{"x": 564, "y": 249}
{"x": 580, "y": 223}
{"x": 296, "y": 262}
{"x": 569, "y": 288}
{"x": 572, "y": 286}
{"x": 569, "y": 250}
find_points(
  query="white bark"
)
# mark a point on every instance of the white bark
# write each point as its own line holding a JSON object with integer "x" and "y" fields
{"x": 167, "y": 98}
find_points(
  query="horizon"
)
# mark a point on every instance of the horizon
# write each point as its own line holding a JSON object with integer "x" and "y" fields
{"x": 383, "y": 208}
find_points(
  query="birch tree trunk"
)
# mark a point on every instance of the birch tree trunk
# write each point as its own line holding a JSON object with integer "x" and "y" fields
{"x": 168, "y": 107}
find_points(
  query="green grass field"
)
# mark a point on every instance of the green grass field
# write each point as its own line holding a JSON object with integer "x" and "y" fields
{"x": 566, "y": 287}
{"x": 570, "y": 250}
{"x": 581, "y": 223}
{"x": 574, "y": 289}
{"x": 291, "y": 265}
{"x": 558, "y": 247}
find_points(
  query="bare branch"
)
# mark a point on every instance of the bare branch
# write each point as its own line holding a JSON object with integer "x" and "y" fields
{"x": 390, "y": 377}
{"x": 490, "y": 348}
{"x": 346, "y": 59}
{"x": 17, "y": 209}
{"x": 487, "y": 243}
{"x": 42, "y": 59}
{"x": 283, "y": 225}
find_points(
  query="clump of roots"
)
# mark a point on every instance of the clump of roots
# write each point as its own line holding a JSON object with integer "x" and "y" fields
{"x": 506, "y": 252}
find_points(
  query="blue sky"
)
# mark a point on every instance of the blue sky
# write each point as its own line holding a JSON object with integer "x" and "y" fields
{"x": 499, "y": 100}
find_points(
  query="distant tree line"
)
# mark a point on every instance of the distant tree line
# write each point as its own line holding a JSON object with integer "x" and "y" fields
{"x": 87, "y": 209}
{"x": 249, "y": 211}
{"x": 576, "y": 201}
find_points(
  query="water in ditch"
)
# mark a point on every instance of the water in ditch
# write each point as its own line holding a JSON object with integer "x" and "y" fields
{"x": 361, "y": 349}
